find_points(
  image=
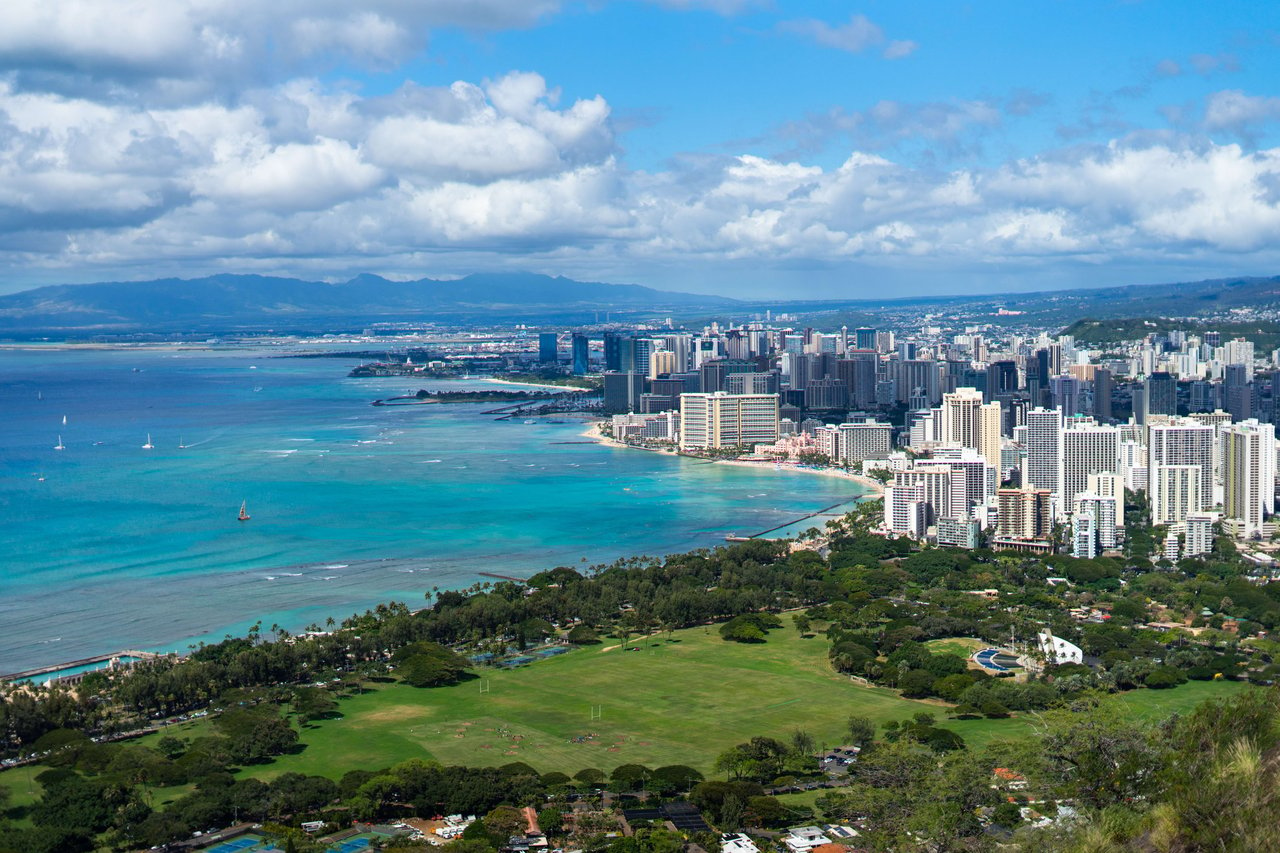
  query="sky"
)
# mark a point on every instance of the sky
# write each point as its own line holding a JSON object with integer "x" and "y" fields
{"x": 753, "y": 149}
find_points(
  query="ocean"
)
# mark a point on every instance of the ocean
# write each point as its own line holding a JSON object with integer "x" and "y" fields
{"x": 109, "y": 546}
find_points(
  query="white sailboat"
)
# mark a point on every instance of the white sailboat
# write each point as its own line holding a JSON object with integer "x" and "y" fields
{"x": 148, "y": 445}
{"x": 64, "y": 420}
{"x": 181, "y": 446}
{"x": 59, "y": 445}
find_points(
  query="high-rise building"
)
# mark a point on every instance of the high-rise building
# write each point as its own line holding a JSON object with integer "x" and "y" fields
{"x": 973, "y": 478}
{"x": 1103, "y": 387}
{"x": 548, "y": 351}
{"x": 1044, "y": 451}
{"x": 916, "y": 378}
{"x": 1100, "y": 513}
{"x": 612, "y": 351}
{"x": 622, "y": 392}
{"x": 727, "y": 420}
{"x": 663, "y": 363}
{"x": 866, "y": 440}
{"x": 1239, "y": 351}
{"x": 865, "y": 338}
{"x": 936, "y": 489}
{"x": 1199, "y": 530}
{"x": 969, "y": 422}
{"x": 826, "y": 394}
{"x": 1162, "y": 394}
{"x": 1237, "y": 392}
{"x": 1174, "y": 492}
{"x": 1087, "y": 448}
{"x": 905, "y": 510}
{"x": 751, "y": 383}
{"x": 1248, "y": 475}
{"x": 858, "y": 372}
{"x": 1184, "y": 441}
{"x": 1025, "y": 515}
{"x": 581, "y": 354}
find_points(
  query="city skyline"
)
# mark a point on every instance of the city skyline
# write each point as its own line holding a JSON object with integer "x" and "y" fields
{"x": 724, "y": 146}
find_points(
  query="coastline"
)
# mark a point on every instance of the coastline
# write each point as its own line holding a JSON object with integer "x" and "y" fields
{"x": 567, "y": 388}
{"x": 874, "y": 487}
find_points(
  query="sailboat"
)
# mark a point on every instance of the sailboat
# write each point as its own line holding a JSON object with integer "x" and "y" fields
{"x": 244, "y": 514}
{"x": 59, "y": 445}
{"x": 181, "y": 446}
{"x": 148, "y": 445}
{"x": 64, "y": 420}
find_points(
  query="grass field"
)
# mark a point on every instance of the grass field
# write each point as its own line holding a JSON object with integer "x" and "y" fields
{"x": 681, "y": 702}
{"x": 962, "y": 646}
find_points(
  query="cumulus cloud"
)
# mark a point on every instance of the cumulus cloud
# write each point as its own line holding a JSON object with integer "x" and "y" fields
{"x": 73, "y": 45}
{"x": 1236, "y": 111}
{"x": 507, "y": 171}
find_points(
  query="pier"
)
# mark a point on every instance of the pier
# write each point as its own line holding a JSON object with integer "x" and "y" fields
{"x": 823, "y": 511}
{"x": 112, "y": 661}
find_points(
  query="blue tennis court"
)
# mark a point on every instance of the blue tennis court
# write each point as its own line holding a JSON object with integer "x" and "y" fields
{"x": 235, "y": 846}
{"x": 351, "y": 845}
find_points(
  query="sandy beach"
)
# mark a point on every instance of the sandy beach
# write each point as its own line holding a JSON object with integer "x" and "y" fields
{"x": 875, "y": 487}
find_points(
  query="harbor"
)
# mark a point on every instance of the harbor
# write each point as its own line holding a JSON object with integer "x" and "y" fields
{"x": 75, "y": 671}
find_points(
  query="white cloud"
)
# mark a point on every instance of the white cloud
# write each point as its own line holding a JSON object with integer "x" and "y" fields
{"x": 1232, "y": 109}
{"x": 303, "y": 177}
{"x": 900, "y": 49}
{"x": 855, "y": 36}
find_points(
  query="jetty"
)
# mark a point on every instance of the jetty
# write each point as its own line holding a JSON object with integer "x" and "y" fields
{"x": 114, "y": 660}
{"x": 823, "y": 511}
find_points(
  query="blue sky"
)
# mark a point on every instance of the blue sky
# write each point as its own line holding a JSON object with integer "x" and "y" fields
{"x": 728, "y": 146}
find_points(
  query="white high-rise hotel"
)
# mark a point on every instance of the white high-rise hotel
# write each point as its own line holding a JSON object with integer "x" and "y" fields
{"x": 1248, "y": 475}
{"x": 1044, "y": 452}
{"x": 1180, "y": 444}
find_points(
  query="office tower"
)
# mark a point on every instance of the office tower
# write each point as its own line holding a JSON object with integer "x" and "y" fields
{"x": 907, "y": 350}
{"x": 663, "y": 363}
{"x": 612, "y": 351}
{"x": 1103, "y": 385}
{"x": 905, "y": 510}
{"x": 1174, "y": 493}
{"x": 804, "y": 369}
{"x": 1087, "y": 448}
{"x": 682, "y": 346}
{"x": 1237, "y": 392}
{"x": 826, "y": 394}
{"x": 969, "y": 422}
{"x": 1162, "y": 394}
{"x": 727, "y": 420}
{"x": 715, "y": 372}
{"x": 916, "y": 379}
{"x": 1044, "y": 451}
{"x": 548, "y": 352}
{"x": 1248, "y": 475}
{"x": 1025, "y": 514}
{"x": 1199, "y": 530}
{"x": 866, "y": 440}
{"x": 581, "y": 354}
{"x": 865, "y": 338}
{"x": 1184, "y": 442}
{"x": 858, "y": 372}
{"x": 1002, "y": 378}
{"x": 1204, "y": 396}
{"x": 622, "y": 392}
{"x": 640, "y": 351}
{"x": 751, "y": 383}
{"x": 1065, "y": 392}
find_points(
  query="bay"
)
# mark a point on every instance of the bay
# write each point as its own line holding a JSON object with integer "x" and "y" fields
{"x": 109, "y": 546}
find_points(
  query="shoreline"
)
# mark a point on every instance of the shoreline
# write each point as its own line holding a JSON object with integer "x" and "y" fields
{"x": 875, "y": 487}
{"x": 566, "y": 388}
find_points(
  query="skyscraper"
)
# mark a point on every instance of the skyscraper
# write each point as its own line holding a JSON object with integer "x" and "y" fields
{"x": 581, "y": 354}
{"x": 969, "y": 422}
{"x": 1184, "y": 442}
{"x": 1248, "y": 475}
{"x": 1162, "y": 394}
{"x": 1237, "y": 391}
{"x": 1087, "y": 448}
{"x": 1044, "y": 451}
{"x": 1102, "y": 389}
{"x": 548, "y": 353}
{"x": 1175, "y": 493}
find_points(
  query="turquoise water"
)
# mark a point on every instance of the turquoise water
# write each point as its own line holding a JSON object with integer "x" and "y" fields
{"x": 109, "y": 546}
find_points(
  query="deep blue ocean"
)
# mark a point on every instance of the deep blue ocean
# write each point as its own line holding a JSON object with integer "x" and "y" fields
{"x": 109, "y": 546}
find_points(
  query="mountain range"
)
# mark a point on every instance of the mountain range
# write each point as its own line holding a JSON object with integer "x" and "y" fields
{"x": 255, "y": 302}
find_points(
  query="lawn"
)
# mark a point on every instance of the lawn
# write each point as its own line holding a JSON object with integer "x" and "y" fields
{"x": 962, "y": 646}
{"x": 682, "y": 701}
